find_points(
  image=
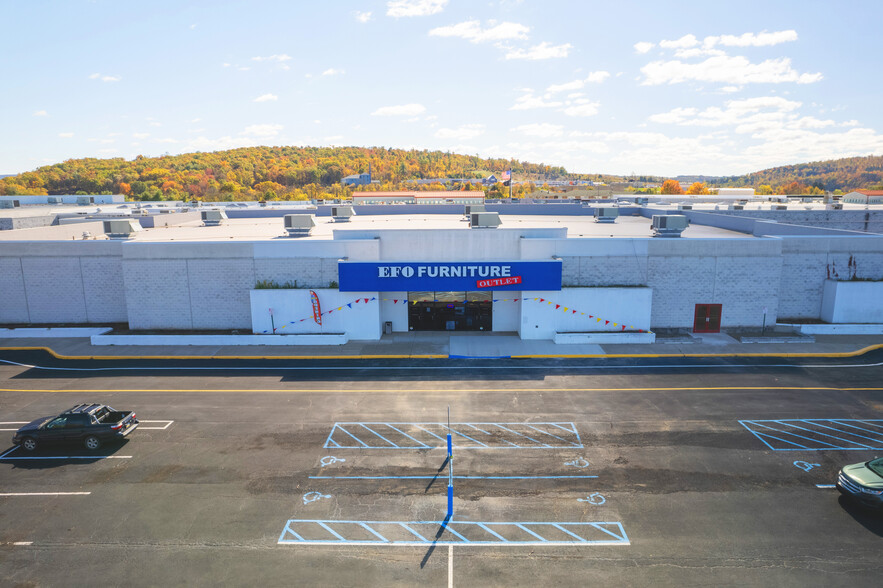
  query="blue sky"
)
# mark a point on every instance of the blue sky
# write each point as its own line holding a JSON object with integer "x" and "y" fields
{"x": 661, "y": 88}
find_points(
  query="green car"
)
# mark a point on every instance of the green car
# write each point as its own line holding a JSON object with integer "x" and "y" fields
{"x": 863, "y": 482}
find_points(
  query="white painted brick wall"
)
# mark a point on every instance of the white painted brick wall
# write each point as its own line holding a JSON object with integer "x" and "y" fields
{"x": 219, "y": 292}
{"x": 13, "y": 300}
{"x": 105, "y": 289}
{"x": 157, "y": 293}
{"x": 55, "y": 289}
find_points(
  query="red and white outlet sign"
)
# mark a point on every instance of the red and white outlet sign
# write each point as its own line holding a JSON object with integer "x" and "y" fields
{"x": 496, "y": 282}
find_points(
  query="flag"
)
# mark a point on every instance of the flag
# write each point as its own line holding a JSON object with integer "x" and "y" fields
{"x": 507, "y": 175}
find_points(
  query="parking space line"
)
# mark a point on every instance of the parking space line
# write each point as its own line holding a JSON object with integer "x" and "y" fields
{"x": 817, "y": 434}
{"x": 45, "y": 493}
{"x": 167, "y": 425}
{"x": 4, "y": 458}
{"x": 12, "y": 423}
{"x": 378, "y": 435}
{"x": 522, "y": 533}
{"x": 456, "y": 477}
{"x": 826, "y": 486}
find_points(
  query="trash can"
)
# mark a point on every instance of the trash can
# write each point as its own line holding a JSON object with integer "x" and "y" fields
{"x": 387, "y": 328}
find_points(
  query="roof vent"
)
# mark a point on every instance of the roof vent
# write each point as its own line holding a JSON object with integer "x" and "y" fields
{"x": 471, "y": 208}
{"x": 213, "y": 218}
{"x": 85, "y": 200}
{"x": 10, "y": 203}
{"x": 669, "y": 225}
{"x": 606, "y": 214}
{"x": 484, "y": 220}
{"x": 121, "y": 229}
{"x": 299, "y": 225}
{"x": 685, "y": 206}
{"x": 342, "y": 214}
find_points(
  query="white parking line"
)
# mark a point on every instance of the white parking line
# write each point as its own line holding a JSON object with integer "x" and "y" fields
{"x": 163, "y": 428}
{"x": 13, "y": 423}
{"x": 826, "y": 486}
{"x": 4, "y": 458}
{"x": 45, "y": 493}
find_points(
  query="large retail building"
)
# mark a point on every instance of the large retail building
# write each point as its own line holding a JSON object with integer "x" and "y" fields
{"x": 548, "y": 271}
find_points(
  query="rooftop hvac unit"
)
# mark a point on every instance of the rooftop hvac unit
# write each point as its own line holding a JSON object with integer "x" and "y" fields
{"x": 685, "y": 206}
{"x": 10, "y": 203}
{"x": 669, "y": 225}
{"x": 606, "y": 214}
{"x": 299, "y": 225}
{"x": 484, "y": 220}
{"x": 835, "y": 206}
{"x": 85, "y": 200}
{"x": 780, "y": 207}
{"x": 342, "y": 214}
{"x": 54, "y": 200}
{"x": 213, "y": 218}
{"x": 471, "y": 208}
{"x": 121, "y": 229}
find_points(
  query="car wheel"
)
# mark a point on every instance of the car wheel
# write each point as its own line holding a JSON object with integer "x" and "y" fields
{"x": 29, "y": 443}
{"x": 92, "y": 442}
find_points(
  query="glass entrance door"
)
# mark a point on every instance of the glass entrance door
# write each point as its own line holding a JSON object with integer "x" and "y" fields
{"x": 707, "y": 318}
{"x": 450, "y": 311}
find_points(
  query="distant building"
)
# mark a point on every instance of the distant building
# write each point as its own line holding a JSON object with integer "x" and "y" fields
{"x": 745, "y": 192}
{"x": 358, "y": 179}
{"x": 452, "y": 197}
{"x": 864, "y": 197}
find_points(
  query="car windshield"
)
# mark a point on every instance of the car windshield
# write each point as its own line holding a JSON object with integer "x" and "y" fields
{"x": 876, "y": 466}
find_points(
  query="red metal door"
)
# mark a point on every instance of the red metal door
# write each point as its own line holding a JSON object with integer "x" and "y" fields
{"x": 707, "y": 318}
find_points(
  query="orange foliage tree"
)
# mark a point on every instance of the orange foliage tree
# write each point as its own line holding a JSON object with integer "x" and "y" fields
{"x": 671, "y": 187}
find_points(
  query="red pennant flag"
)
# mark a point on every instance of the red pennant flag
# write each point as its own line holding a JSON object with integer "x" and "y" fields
{"x": 395, "y": 300}
{"x": 606, "y": 322}
{"x": 623, "y": 327}
{"x": 574, "y": 312}
{"x": 557, "y": 306}
{"x": 516, "y": 300}
{"x": 542, "y": 300}
{"x": 590, "y": 316}
{"x": 366, "y": 300}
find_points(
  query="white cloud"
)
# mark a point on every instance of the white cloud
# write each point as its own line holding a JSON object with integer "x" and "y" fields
{"x": 528, "y": 102}
{"x": 542, "y": 51}
{"x": 140, "y": 135}
{"x": 65, "y": 135}
{"x": 266, "y": 98}
{"x": 762, "y": 39}
{"x": 41, "y": 113}
{"x": 264, "y": 131}
{"x": 587, "y": 109}
{"x": 684, "y": 42}
{"x": 472, "y": 31}
{"x": 103, "y": 78}
{"x": 281, "y": 58}
{"x": 540, "y": 130}
{"x": 333, "y": 72}
{"x": 400, "y": 110}
{"x": 361, "y": 16}
{"x": 643, "y": 47}
{"x": 725, "y": 69}
{"x": 596, "y": 77}
{"x": 403, "y": 8}
{"x": 461, "y": 133}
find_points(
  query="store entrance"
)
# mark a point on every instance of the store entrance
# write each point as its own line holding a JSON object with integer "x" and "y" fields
{"x": 450, "y": 311}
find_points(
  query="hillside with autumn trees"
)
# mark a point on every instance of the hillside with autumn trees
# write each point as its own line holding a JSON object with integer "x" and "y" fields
{"x": 301, "y": 173}
{"x": 850, "y": 173}
{"x": 293, "y": 173}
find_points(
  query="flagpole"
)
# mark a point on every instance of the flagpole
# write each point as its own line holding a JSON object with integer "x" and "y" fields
{"x": 510, "y": 183}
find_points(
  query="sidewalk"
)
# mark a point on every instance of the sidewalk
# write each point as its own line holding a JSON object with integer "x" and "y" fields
{"x": 480, "y": 345}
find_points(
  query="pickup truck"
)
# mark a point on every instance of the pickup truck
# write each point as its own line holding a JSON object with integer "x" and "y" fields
{"x": 87, "y": 424}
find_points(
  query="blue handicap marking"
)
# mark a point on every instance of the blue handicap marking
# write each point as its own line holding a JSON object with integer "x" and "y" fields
{"x": 595, "y": 498}
{"x": 805, "y": 466}
{"x": 330, "y": 459}
{"x": 577, "y": 463}
{"x": 314, "y": 496}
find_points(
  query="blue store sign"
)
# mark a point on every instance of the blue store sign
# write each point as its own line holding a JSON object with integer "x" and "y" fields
{"x": 465, "y": 276}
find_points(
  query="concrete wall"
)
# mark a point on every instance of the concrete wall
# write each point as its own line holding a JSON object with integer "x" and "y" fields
{"x": 808, "y": 261}
{"x": 61, "y": 282}
{"x": 543, "y": 314}
{"x": 852, "y": 302}
{"x": 293, "y": 313}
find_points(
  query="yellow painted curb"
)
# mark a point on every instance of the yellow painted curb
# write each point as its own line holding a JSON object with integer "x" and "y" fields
{"x": 50, "y": 351}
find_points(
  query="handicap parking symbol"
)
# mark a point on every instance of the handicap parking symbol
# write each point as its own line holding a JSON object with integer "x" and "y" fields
{"x": 330, "y": 459}
{"x": 577, "y": 463}
{"x": 314, "y": 496}
{"x": 595, "y": 498}
{"x": 805, "y": 466}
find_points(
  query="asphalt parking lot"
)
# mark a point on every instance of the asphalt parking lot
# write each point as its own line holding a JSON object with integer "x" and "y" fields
{"x": 561, "y": 475}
